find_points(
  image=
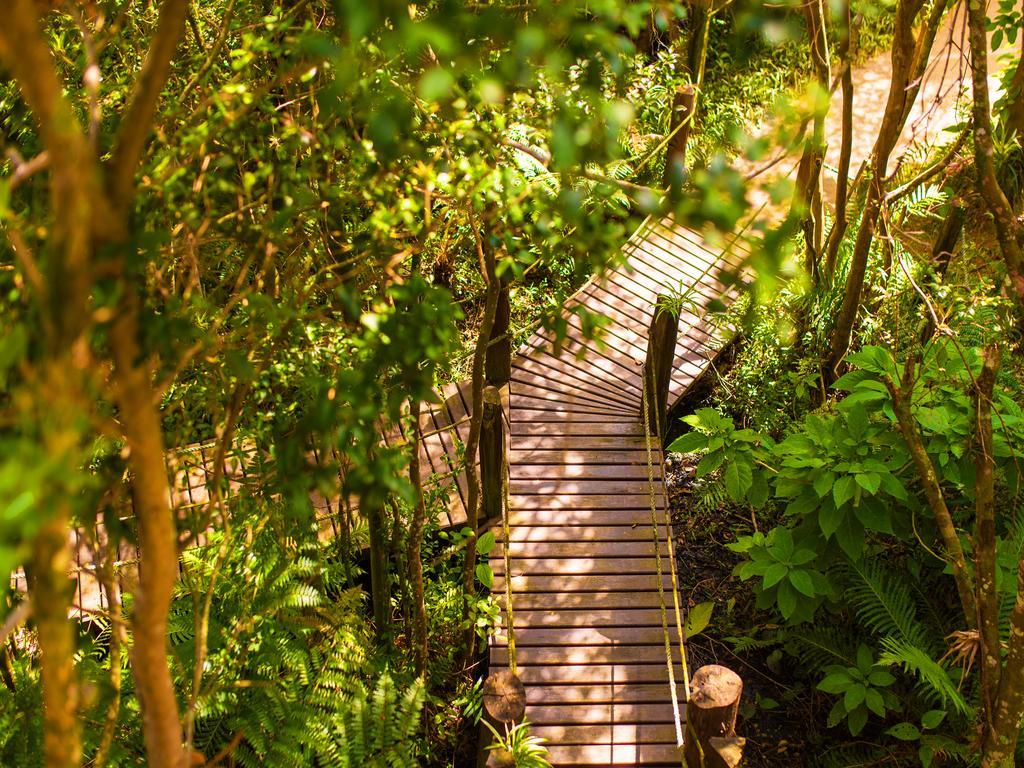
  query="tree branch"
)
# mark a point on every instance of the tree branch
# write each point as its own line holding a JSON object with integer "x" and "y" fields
{"x": 136, "y": 122}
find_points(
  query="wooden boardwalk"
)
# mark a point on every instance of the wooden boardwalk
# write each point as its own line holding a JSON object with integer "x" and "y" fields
{"x": 588, "y": 629}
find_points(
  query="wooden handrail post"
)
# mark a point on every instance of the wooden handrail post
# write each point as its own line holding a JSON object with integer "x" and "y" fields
{"x": 680, "y": 125}
{"x": 711, "y": 719}
{"x": 492, "y": 455}
{"x": 661, "y": 351}
{"x": 498, "y": 364}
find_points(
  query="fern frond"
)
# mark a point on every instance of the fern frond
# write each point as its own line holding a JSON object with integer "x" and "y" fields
{"x": 935, "y": 681}
{"x": 884, "y": 602}
{"x": 824, "y": 646}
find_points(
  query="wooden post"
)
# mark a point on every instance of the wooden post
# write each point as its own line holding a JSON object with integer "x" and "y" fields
{"x": 711, "y": 719}
{"x": 504, "y": 704}
{"x": 681, "y": 119}
{"x": 498, "y": 364}
{"x": 492, "y": 455}
{"x": 661, "y": 351}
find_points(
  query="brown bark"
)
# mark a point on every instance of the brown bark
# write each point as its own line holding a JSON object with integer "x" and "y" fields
{"x": 420, "y": 647}
{"x": 1015, "y": 108}
{"x": 985, "y": 534}
{"x": 50, "y": 589}
{"x": 902, "y": 393}
{"x": 839, "y": 225}
{"x": 901, "y": 89}
{"x": 1006, "y": 226}
{"x": 137, "y": 121}
{"x": 488, "y": 267}
{"x": 999, "y": 742}
{"x": 808, "y": 202}
{"x": 158, "y": 538}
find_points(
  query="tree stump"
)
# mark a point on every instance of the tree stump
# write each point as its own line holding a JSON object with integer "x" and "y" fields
{"x": 711, "y": 715}
{"x": 504, "y": 697}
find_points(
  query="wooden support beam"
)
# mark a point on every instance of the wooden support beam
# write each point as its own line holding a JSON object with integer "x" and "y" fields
{"x": 680, "y": 125}
{"x": 661, "y": 349}
{"x": 493, "y": 462}
{"x": 498, "y": 364}
{"x": 711, "y": 740}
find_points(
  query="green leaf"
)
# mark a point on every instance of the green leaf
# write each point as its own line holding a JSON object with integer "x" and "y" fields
{"x": 485, "y": 543}
{"x": 874, "y": 702}
{"x": 869, "y": 481}
{"x": 775, "y": 573}
{"x": 802, "y": 582}
{"x": 787, "y": 599}
{"x": 830, "y": 518}
{"x": 857, "y": 720}
{"x": 710, "y": 463}
{"x": 850, "y": 536}
{"x": 485, "y": 575}
{"x": 904, "y": 732}
{"x": 823, "y": 483}
{"x": 738, "y": 477}
{"x": 842, "y": 491}
{"x": 688, "y": 443}
{"x": 854, "y": 697}
{"x": 933, "y": 718}
{"x": 698, "y": 618}
{"x": 759, "y": 490}
{"x": 835, "y": 683}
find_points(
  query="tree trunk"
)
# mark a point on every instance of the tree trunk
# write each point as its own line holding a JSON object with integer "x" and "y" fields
{"x": 488, "y": 266}
{"x": 901, "y": 394}
{"x": 697, "y": 44}
{"x": 420, "y": 648}
{"x": 808, "y": 203}
{"x": 1006, "y": 226}
{"x": 838, "y": 231}
{"x": 158, "y": 546}
{"x": 50, "y": 589}
{"x": 900, "y": 90}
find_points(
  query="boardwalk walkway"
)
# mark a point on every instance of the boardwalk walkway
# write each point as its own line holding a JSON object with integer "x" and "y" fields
{"x": 588, "y": 631}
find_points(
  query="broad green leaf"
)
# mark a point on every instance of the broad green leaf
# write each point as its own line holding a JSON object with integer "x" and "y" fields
{"x": 710, "y": 463}
{"x": 835, "y": 683}
{"x": 787, "y": 599}
{"x": 485, "y": 543}
{"x": 802, "y": 582}
{"x": 775, "y": 573}
{"x": 933, "y": 718}
{"x": 688, "y": 443}
{"x": 823, "y": 483}
{"x": 869, "y": 481}
{"x": 485, "y": 575}
{"x": 698, "y": 618}
{"x": 842, "y": 491}
{"x": 904, "y": 732}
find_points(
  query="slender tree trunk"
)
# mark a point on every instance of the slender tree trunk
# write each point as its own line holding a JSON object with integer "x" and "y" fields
{"x": 839, "y": 225}
{"x": 808, "y": 203}
{"x": 901, "y": 89}
{"x": 999, "y": 743}
{"x": 158, "y": 570}
{"x": 419, "y": 518}
{"x": 1006, "y": 226}
{"x": 50, "y": 589}
{"x": 901, "y": 393}
{"x": 985, "y": 536}
{"x": 488, "y": 267}
{"x": 697, "y": 44}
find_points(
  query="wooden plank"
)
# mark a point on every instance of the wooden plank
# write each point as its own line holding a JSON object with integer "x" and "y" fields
{"x": 577, "y": 429}
{"x": 539, "y": 694}
{"x": 570, "y": 372}
{"x": 603, "y": 471}
{"x": 562, "y": 657}
{"x": 618, "y": 455}
{"x": 600, "y": 713}
{"x": 555, "y": 382}
{"x": 591, "y": 601}
{"x": 560, "y": 583}
{"x": 591, "y": 485}
{"x": 621, "y": 637}
{"x": 586, "y": 530}
{"x": 570, "y": 443}
{"x": 589, "y": 674}
{"x": 610, "y": 549}
{"x": 662, "y": 755}
{"x": 592, "y": 617}
{"x": 581, "y": 566}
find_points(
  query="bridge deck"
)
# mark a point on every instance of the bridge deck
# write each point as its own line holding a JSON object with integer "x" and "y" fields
{"x": 586, "y": 607}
